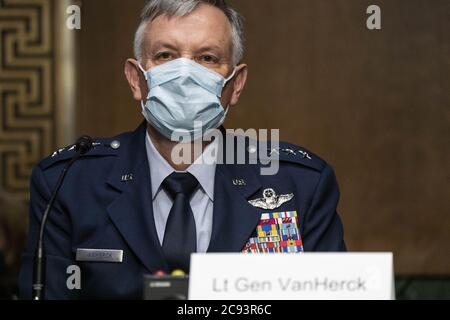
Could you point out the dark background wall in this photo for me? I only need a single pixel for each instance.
(375, 104)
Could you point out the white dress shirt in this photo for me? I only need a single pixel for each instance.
(204, 170)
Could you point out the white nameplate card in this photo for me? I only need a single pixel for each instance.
(305, 276)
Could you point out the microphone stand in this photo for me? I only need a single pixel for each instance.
(84, 144)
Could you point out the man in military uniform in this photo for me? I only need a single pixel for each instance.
(128, 208)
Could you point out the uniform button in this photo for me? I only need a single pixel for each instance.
(115, 144)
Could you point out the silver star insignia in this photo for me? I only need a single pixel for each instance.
(289, 152)
(271, 200)
(59, 151)
(305, 154)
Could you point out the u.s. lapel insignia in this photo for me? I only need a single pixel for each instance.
(127, 177)
(271, 200)
(239, 182)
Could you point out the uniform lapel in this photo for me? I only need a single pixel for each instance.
(234, 219)
(132, 210)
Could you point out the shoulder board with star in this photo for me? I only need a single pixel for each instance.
(288, 152)
(100, 147)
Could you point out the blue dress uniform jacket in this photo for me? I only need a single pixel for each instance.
(98, 208)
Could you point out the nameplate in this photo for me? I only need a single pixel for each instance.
(99, 255)
(306, 276)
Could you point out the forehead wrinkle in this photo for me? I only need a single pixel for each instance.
(177, 30)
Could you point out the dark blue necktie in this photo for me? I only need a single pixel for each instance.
(180, 237)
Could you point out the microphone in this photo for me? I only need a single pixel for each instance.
(82, 146)
(162, 286)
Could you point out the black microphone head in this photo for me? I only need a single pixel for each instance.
(84, 144)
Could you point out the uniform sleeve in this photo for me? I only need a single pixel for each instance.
(57, 243)
(323, 230)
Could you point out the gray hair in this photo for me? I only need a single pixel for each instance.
(181, 8)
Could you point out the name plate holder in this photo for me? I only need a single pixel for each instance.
(305, 276)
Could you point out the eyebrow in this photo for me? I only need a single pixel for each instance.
(162, 44)
(210, 48)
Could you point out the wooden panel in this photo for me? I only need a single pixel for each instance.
(374, 104)
(106, 41)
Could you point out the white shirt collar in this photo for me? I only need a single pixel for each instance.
(203, 168)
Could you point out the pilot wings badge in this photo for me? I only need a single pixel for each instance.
(271, 200)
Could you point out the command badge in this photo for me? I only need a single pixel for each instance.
(271, 200)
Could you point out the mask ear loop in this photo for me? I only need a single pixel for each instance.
(146, 79)
(229, 78)
(143, 71)
(224, 84)
(142, 101)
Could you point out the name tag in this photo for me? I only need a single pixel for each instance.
(99, 255)
(305, 276)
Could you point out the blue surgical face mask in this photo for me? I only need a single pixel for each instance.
(184, 98)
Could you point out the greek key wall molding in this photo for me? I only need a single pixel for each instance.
(27, 89)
